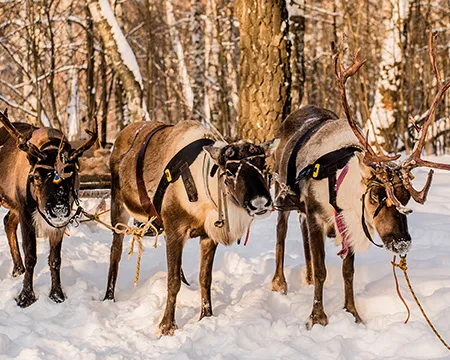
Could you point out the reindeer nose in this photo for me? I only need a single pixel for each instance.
(259, 206)
(399, 245)
(59, 211)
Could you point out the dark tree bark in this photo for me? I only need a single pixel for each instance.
(198, 83)
(264, 92)
(90, 68)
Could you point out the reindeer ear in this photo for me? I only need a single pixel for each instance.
(214, 150)
(366, 171)
(270, 146)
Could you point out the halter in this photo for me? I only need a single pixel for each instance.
(57, 179)
(223, 185)
(384, 202)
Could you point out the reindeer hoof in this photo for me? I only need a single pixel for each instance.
(109, 296)
(279, 284)
(353, 311)
(166, 329)
(318, 317)
(206, 312)
(57, 295)
(18, 270)
(25, 298)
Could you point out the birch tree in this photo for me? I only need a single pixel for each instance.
(383, 113)
(123, 58)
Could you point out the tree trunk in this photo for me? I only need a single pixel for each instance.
(198, 84)
(178, 49)
(123, 58)
(264, 91)
(298, 61)
(383, 113)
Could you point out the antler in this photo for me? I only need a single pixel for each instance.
(22, 141)
(342, 74)
(414, 159)
(61, 164)
(88, 144)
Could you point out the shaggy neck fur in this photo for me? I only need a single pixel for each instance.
(238, 218)
(349, 200)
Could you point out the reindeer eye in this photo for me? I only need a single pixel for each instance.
(229, 152)
(374, 197)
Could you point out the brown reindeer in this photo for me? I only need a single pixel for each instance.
(38, 184)
(343, 189)
(227, 176)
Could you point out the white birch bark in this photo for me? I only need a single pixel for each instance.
(72, 110)
(382, 113)
(211, 65)
(178, 49)
(123, 58)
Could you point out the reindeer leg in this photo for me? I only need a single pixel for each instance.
(279, 281)
(174, 250)
(348, 270)
(54, 261)
(11, 222)
(307, 250)
(207, 251)
(118, 215)
(27, 296)
(316, 237)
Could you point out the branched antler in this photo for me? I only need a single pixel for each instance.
(22, 141)
(414, 159)
(342, 73)
(88, 144)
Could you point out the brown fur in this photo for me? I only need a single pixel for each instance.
(15, 167)
(182, 219)
(316, 217)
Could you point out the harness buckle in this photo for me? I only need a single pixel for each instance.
(168, 175)
(316, 170)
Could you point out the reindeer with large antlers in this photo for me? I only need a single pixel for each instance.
(38, 184)
(343, 188)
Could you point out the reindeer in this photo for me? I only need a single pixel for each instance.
(343, 189)
(226, 190)
(38, 184)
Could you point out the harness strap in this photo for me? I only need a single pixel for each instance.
(178, 165)
(340, 223)
(364, 225)
(145, 200)
(291, 180)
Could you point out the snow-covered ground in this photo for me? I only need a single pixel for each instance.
(250, 321)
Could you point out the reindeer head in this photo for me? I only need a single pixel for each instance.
(388, 182)
(53, 177)
(243, 168)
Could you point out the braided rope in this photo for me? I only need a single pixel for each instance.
(138, 233)
(402, 265)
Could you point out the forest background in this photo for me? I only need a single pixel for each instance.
(238, 66)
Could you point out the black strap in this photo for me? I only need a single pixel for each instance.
(364, 225)
(292, 163)
(332, 192)
(145, 200)
(328, 164)
(174, 169)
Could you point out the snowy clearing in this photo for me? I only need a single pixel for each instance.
(250, 321)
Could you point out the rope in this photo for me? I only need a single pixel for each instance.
(397, 287)
(137, 231)
(402, 265)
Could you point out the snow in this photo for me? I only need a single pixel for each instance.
(250, 321)
(126, 53)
